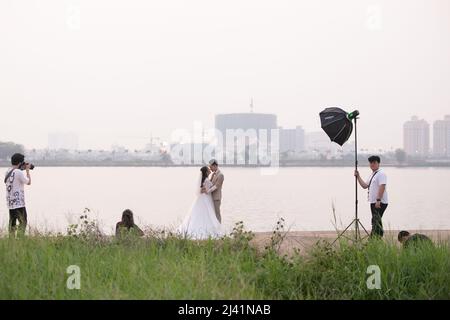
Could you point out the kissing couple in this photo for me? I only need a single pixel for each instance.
(204, 221)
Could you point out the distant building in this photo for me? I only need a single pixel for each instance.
(62, 141)
(292, 140)
(245, 121)
(441, 138)
(319, 142)
(416, 138)
(243, 132)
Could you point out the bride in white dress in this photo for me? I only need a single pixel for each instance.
(201, 222)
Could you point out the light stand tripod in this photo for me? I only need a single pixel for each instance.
(356, 222)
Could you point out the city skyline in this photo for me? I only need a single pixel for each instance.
(434, 141)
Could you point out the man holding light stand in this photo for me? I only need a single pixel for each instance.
(338, 125)
(377, 194)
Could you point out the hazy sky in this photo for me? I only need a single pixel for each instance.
(114, 71)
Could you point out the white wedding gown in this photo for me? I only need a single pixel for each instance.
(201, 223)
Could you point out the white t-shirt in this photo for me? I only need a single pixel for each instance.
(15, 194)
(379, 179)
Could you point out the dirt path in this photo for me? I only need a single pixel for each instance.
(304, 240)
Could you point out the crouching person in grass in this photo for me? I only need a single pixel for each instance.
(408, 240)
(15, 180)
(127, 227)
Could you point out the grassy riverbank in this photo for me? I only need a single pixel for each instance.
(168, 268)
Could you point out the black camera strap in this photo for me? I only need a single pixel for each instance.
(370, 183)
(9, 175)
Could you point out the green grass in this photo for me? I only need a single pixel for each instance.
(170, 268)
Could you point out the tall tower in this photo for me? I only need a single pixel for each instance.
(416, 137)
(441, 137)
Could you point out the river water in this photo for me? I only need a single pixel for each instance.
(304, 197)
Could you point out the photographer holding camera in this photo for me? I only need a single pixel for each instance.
(15, 180)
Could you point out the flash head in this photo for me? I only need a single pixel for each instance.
(353, 115)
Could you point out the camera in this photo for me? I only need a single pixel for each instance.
(24, 164)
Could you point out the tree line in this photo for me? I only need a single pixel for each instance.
(7, 149)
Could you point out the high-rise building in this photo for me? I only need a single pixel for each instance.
(441, 137)
(292, 140)
(249, 123)
(242, 133)
(63, 141)
(416, 138)
(245, 121)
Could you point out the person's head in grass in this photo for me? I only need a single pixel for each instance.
(374, 162)
(127, 219)
(127, 224)
(403, 236)
(414, 240)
